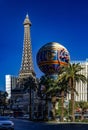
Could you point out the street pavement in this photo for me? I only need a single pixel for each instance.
(29, 125)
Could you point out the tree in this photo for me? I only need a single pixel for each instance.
(72, 75)
(83, 105)
(63, 89)
(49, 90)
(29, 84)
(3, 96)
(56, 88)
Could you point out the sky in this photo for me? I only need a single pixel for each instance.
(62, 21)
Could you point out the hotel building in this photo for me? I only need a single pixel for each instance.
(81, 88)
(11, 82)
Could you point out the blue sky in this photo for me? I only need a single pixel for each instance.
(63, 21)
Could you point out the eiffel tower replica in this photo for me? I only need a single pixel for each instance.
(26, 72)
(27, 63)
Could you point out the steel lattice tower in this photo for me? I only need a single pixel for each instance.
(27, 63)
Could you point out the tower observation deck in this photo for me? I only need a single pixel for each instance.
(27, 63)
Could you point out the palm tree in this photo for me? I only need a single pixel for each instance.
(54, 89)
(72, 75)
(49, 90)
(63, 89)
(29, 84)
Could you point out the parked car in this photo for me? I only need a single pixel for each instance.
(26, 116)
(6, 123)
(78, 115)
(85, 116)
(58, 118)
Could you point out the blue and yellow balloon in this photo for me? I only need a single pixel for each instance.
(51, 57)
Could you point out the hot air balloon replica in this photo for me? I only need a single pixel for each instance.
(51, 57)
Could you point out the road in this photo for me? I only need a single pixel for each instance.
(28, 125)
